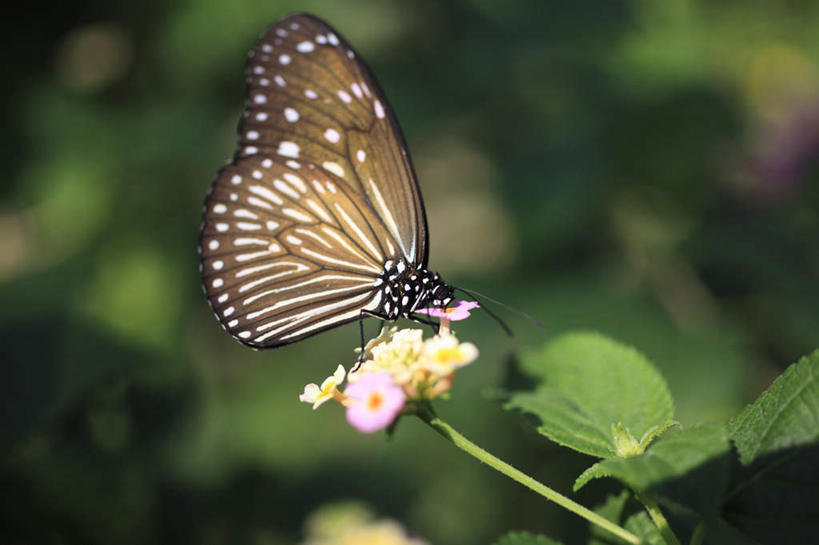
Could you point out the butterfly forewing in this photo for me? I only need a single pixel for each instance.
(310, 98)
(287, 251)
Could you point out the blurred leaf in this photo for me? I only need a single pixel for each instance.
(785, 415)
(132, 295)
(594, 392)
(624, 511)
(773, 493)
(690, 466)
(525, 538)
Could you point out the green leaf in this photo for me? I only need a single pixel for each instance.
(690, 466)
(626, 512)
(773, 493)
(525, 538)
(785, 415)
(594, 395)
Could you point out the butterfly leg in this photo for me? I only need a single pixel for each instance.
(361, 315)
(426, 321)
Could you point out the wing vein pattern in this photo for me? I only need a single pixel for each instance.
(318, 197)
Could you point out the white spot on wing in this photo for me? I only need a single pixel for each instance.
(289, 149)
(357, 90)
(265, 193)
(332, 135)
(305, 47)
(246, 226)
(295, 214)
(297, 182)
(286, 189)
(333, 167)
(291, 115)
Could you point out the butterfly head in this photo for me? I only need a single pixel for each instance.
(441, 294)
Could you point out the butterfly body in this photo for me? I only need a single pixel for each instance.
(406, 288)
(318, 220)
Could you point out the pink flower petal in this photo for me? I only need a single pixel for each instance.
(458, 311)
(376, 402)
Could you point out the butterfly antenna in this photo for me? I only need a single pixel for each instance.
(475, 294)
(497, 318)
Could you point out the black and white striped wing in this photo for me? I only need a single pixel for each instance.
(312, 99)
(289, 250)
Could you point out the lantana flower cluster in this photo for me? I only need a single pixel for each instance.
(399, 367)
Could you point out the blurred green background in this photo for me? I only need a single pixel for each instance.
(646, 169)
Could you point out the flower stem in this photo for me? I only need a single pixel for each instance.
(699, 534)
(426, 414)
(659, 519)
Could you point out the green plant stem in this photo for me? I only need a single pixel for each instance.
(659, 519)
(699, 534)
(426, 414)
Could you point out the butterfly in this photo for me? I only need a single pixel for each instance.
(318, 219)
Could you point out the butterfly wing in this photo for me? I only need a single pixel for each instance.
(312, 99)
(320, 194)
(288, 250)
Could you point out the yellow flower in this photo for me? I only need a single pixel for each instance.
(385, 532)
(318, 395)
(354, 524)
(423, 368)
(443, 354)
(397, 356)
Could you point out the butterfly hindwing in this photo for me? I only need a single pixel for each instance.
(288, 251)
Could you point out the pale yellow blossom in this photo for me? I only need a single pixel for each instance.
(424, 368)
(318, 395)
(443, 354)
(397, 356)
(354, 524)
